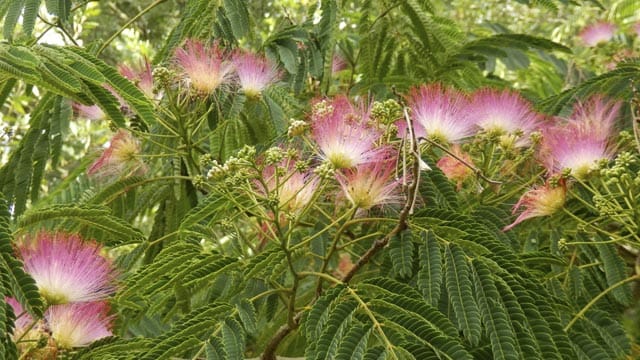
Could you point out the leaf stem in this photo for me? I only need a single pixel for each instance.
(126, 25)
(598, 297)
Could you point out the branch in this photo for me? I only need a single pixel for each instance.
(283, 331)
(403, 224)
(475, 170)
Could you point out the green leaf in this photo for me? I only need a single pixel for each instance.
(11, 18)
(29, 16)
(458, 283)
(615, 271)
(354, 343)
(401, 254)
(494, 315)
(337, 322)
(248, 316)
(22, 286)
(184, 334)
(238, 16)
(233, 338)
(314, 320)
(430, 273)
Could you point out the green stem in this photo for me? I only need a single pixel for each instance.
(126, 25)
(598, 297)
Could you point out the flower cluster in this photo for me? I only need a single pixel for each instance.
(75, 281)
(206, 68)
(573, 147)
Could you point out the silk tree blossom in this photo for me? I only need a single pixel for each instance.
(581, 153)
(142, 78)
(583, 142)
(597, 33)
(371, 184)
(79, 324)
(504, 112)
(206, 67)
(343, 134)
(23, 319)
(29, 336)
(596, 116)
(294, 189)
(255, 73)
(440, 113)
(88, 112)
(541, 201)
(66, 268)
(453, 168)
(120, 158)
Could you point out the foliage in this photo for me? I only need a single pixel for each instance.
(235, 233)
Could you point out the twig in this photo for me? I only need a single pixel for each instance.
(126, 25)
(283, 331)
(475, 170)
(412, 191)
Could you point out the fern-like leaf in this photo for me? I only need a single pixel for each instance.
(458, 283)
(233, 338)
(354, 343)
(192, 326)
(401, 254)
(430, 273)
(615, 271)
(22, 286)
(494, 315)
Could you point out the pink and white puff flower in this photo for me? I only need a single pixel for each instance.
(120, 158)
(255, 73)
(540, 201)
(342, 133)
(583, 142)
(440, 113)
(67, 269)
(143, 78)
(23, 319)
(596, 117)
(294, 189)
(206, 67)
(596, 33)
(580, 153)
(371, 184)
(504, 112)
(79, 324)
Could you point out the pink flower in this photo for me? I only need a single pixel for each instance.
(440, 113)
(23, 319)
(66, 268)
(294, 189)
(88, 112)
(636, 28)
(79, 324)
(121, 158)
(343, 134)
(255, 73)
(206, 67)
(596, 116)
(371, 184)
(541, 201)
(504, 112)
(142, 78)
(338, 64)
(596, 33)
(584, 141)
(453, 168)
